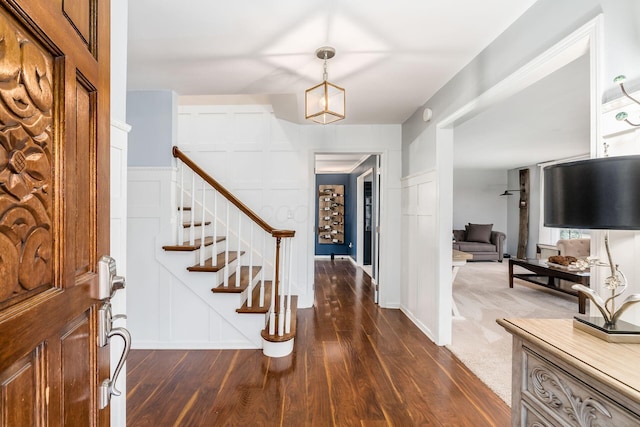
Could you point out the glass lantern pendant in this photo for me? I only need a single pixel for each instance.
(325, 102)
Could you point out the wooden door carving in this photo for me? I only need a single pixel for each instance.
(54, 209)
(26, 108)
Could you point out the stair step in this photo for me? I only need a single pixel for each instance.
(244, 281)
(291, 334)
(195, 224)
(209, 267)
(186, 247)
(255, 300)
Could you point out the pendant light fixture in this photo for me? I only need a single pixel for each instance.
(325, 103)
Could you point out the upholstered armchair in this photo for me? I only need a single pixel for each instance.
(579, 248)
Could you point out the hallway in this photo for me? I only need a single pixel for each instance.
(354, 364)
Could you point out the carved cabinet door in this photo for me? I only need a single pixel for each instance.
(54, 209)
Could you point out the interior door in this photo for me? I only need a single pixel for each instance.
(54, 209)
(368, 221)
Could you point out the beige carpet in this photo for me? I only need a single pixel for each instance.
(482, 294)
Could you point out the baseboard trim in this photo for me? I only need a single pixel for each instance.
(157, 345)
(425, 330)
(336, 257)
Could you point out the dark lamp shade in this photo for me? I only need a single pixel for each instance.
(599, 193)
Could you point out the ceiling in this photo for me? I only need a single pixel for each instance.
(548, 120)
(338, 163)
(391, 58)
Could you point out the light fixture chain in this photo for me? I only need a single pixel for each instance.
(325, 76)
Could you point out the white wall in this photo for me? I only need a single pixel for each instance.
(118, 183)
(419, 217)
(476, 198)
(269, 165)
(542, 27)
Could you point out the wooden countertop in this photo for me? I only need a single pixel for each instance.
(612, 363)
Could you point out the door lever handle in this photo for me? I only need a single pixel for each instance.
(105, 323)
(117, 283)
(108, 386)
(117, 317)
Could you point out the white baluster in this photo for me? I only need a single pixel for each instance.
(287, 324)
(238, 267)
(226, 250)
(192, 230)
(214, 251)
(202, 226)
(181, 195)
(272, 308)
(264, 267)
(250, 287)
(282, 290)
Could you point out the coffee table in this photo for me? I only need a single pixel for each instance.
(543, 274)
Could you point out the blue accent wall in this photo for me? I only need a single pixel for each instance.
(351, 202)
(152, 116)
(350, 182)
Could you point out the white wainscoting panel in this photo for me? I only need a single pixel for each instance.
(419, 231)
(168, 306)
(247, 170)
(249, 150)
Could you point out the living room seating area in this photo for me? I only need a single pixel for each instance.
(480, 240)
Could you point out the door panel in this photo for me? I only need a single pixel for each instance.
(83, 226)
(54, 209)
(78, 13)
(21, 403)
(75, 345)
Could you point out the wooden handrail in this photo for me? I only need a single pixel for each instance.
(237, 203)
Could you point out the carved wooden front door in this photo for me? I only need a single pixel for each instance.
(54, 209)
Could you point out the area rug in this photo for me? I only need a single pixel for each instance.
(482, 294)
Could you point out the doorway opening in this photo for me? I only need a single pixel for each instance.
(583, 41)
(359, 174)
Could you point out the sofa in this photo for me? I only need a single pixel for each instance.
(481, 241)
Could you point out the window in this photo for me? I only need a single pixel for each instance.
(572, 233)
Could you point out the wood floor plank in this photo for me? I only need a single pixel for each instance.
(343, 407)
(354, 364)
(318, 399)
(363, 386)
(200, 412)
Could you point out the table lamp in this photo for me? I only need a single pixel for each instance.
(600, 194)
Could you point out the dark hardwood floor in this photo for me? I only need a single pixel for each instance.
(354, 364)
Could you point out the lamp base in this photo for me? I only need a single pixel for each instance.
(621, 332)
